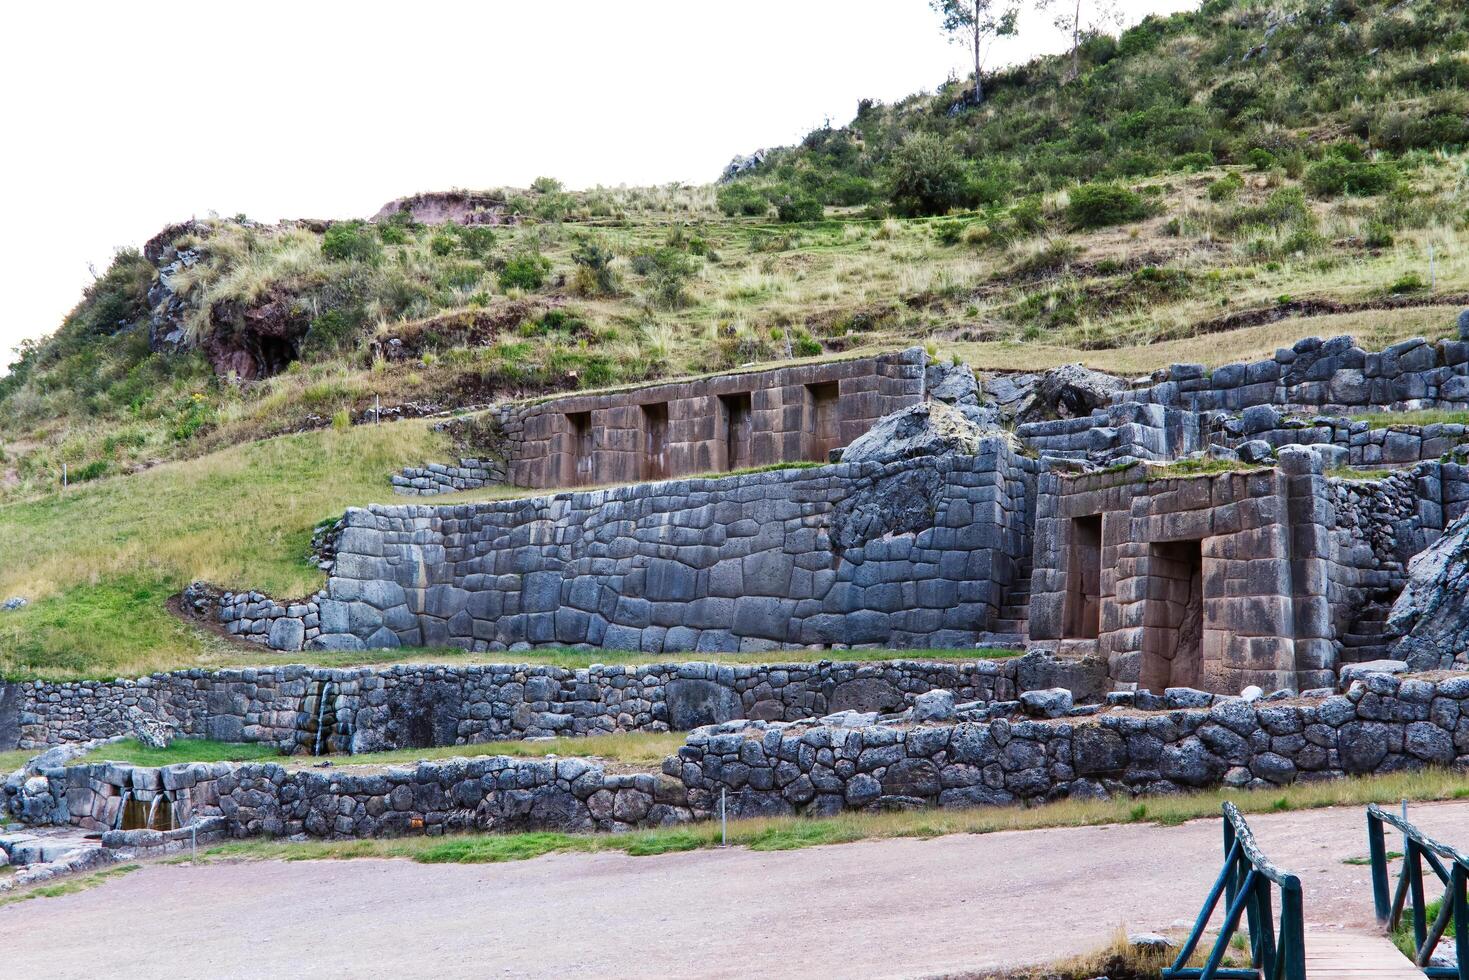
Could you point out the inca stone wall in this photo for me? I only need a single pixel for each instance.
(435, 478)
(494, 793)
(1382, 724)
(728, 422)
(368, 709)
(1148, 744)
(905, 554)
(1330, 375)
(1217, 581)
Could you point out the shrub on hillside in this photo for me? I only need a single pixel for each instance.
(1260, 159)
(845, 190)
(594, 273)
(1334, 176)
(351, 241)
(1226, 188)
(926, 178)
(1102, 205)
(741, 198)
(526, 271)
(668, 271)
(798, 208)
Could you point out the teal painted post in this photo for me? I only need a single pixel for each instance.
(1293, 935)
(1415, 891)
(1377, 850)
(1264, 939)
(1230, 883)
(1459, 882)
(1231, 925)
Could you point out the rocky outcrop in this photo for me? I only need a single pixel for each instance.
(442, 207)
(1432, 613)
(1068, 392)
(927, 429)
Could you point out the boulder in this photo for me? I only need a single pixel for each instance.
(693, 703)
(926, 429)
(13, 603)
(933, 706)
(1054, 702)
(952, 384)
(1432, 614)
(1068, 392)
(1256, 451)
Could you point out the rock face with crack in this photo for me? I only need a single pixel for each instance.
(930, 428)
(1068, 392)
(1432, 613)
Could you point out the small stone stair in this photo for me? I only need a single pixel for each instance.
(1366, 639)
(1013, 620)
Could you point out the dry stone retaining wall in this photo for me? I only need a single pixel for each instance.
(1334, 375)
(369, 709)
(912, 553)
(1382, 724)
(1184, 740)
(435, 478)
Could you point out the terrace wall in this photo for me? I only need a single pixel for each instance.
(1328, 375)
(732, 421)
(1383, 724)
(370, 709)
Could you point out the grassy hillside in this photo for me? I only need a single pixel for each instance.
(1253, 161)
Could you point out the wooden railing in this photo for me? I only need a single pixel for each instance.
(1452, 869)
(1247, 884)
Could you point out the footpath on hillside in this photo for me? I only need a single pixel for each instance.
(891, 908)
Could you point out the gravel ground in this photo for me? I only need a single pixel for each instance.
(894, 908)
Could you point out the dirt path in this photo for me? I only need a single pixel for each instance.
(897, 908)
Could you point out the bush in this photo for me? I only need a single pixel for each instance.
(798, 208)
(1260, 159)
(1410, 283)
(1193, 161)
(527, 271)
(594, 273)
(1226, 188)
(1377, 235)
(926, 177)
(1334, 176)
(667, 270)
(392, 234)
(849, 191)
(741, 198)
(351, 241)
(1102, 205)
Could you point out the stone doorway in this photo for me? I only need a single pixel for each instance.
(1173, 635)
(822, 432)
(655, 441)
(576, 467)
(1083, 609)
(738, 428)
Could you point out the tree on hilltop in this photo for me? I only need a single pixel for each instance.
(972, 22)
(1083, 18)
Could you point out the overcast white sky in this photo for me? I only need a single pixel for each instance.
(120, 118)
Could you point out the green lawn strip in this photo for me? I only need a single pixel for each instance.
(225, 657)
(1425, 416)
(636, 748)
(13, 759)
(68, 887)
(135, 753)
(789, 833)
